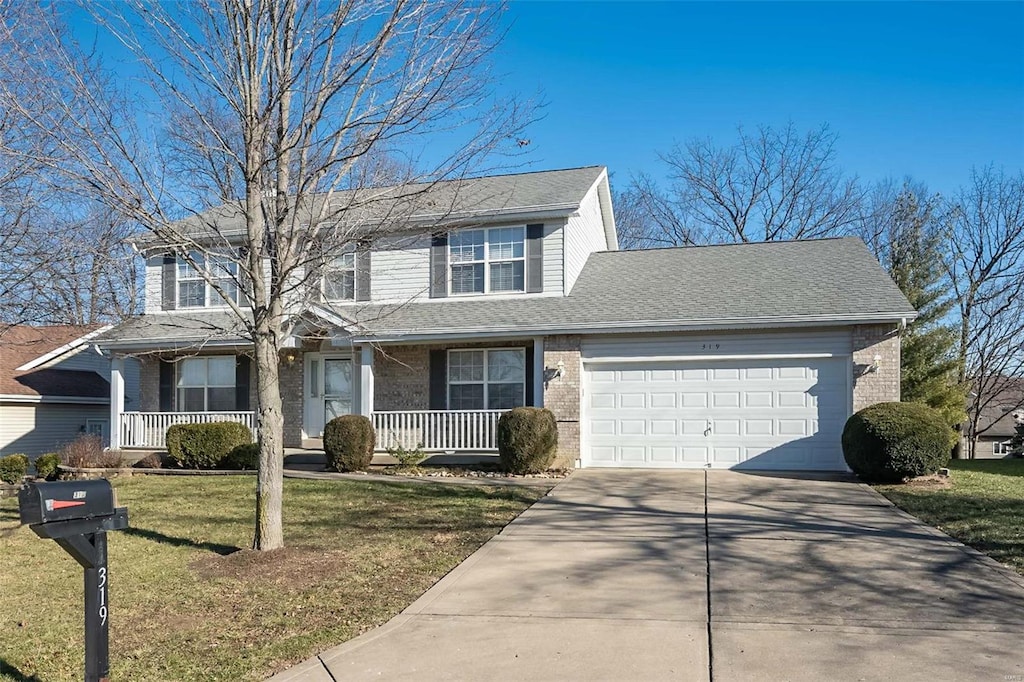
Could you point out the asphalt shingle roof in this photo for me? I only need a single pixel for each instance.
(441, 202)
(782, 282)
(20, 344)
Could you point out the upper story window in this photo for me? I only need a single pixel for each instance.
(340, 278)
(487, 261)
(197, 291)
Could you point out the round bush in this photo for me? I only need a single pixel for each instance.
(348, 442)
(889, 442)
(13, 468)
(244, 457)
(46, 466)
(204, 446)
(527, 440)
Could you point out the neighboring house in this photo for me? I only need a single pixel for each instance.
(749, 355)
(999, 418)
(53, 387)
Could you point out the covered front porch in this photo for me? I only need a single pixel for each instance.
(440, 398)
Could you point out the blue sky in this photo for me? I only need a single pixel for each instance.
(921, 89)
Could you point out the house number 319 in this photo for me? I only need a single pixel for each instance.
(103, 595)
(710, 346)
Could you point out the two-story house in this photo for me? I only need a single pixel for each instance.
(749, 355)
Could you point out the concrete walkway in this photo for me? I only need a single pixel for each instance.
(642, 575)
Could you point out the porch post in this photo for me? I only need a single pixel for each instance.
(116, 400)
(538, 371)
(366, 380)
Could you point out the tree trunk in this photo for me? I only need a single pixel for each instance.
(269, 479)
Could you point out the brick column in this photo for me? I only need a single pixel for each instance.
(879, 385)
(562, 394)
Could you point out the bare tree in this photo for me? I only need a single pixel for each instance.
(770, 185)
(279, 116)
(986, 269)
(63, 258)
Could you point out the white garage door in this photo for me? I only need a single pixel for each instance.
(752, 414)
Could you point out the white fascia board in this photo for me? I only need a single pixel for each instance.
(638, 327)
(63, 350)
(52, 399)
(604, 196)
(158, 345)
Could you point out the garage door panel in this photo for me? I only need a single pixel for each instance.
(763, 414)
(663, 400)
(725, 399)
(695, 399)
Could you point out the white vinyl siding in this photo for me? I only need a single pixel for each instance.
(154, 283)
(554, 265)
(584, 234)
(401, 274)
(36, 429)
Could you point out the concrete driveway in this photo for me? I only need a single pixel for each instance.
(648, 575)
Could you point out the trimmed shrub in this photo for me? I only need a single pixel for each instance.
(348, 442)
(46, 466)
(205, 446)
(527, 440)
(889, 442)
(245, 457)
(13, 468)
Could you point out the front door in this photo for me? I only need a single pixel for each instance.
(329, 390)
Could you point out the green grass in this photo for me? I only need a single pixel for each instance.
(984, 507)
(185, 604)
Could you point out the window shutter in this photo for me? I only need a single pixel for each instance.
(315, 269)
(535, 258)
(363, 274)
(439, 379)
(439, 266)
(530, 379)
(166, 386)
(242, 365)
(169, 282)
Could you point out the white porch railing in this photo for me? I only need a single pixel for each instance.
(149, 429)
(438, 430)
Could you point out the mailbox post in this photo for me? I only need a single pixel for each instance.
(77, 515)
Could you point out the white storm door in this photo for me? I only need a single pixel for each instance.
(328, 390)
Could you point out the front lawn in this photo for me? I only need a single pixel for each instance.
(984, 507)
(186, 605)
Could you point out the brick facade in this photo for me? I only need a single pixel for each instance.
(562, 395)
(292, 397)
(149, 384)
(883, 384)
(401, 374)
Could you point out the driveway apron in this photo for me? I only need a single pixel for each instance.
(667, 575)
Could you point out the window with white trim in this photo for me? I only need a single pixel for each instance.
(492, 379)
(206, 384)
(1002, 449)
(197, 291)
(487, 261)
(340, 278)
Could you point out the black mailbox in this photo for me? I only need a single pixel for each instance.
(78, 514)
(65, 500)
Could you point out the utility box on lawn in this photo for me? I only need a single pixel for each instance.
(77, 515)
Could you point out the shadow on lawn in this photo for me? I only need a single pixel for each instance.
(157, 536)
(15, 673)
